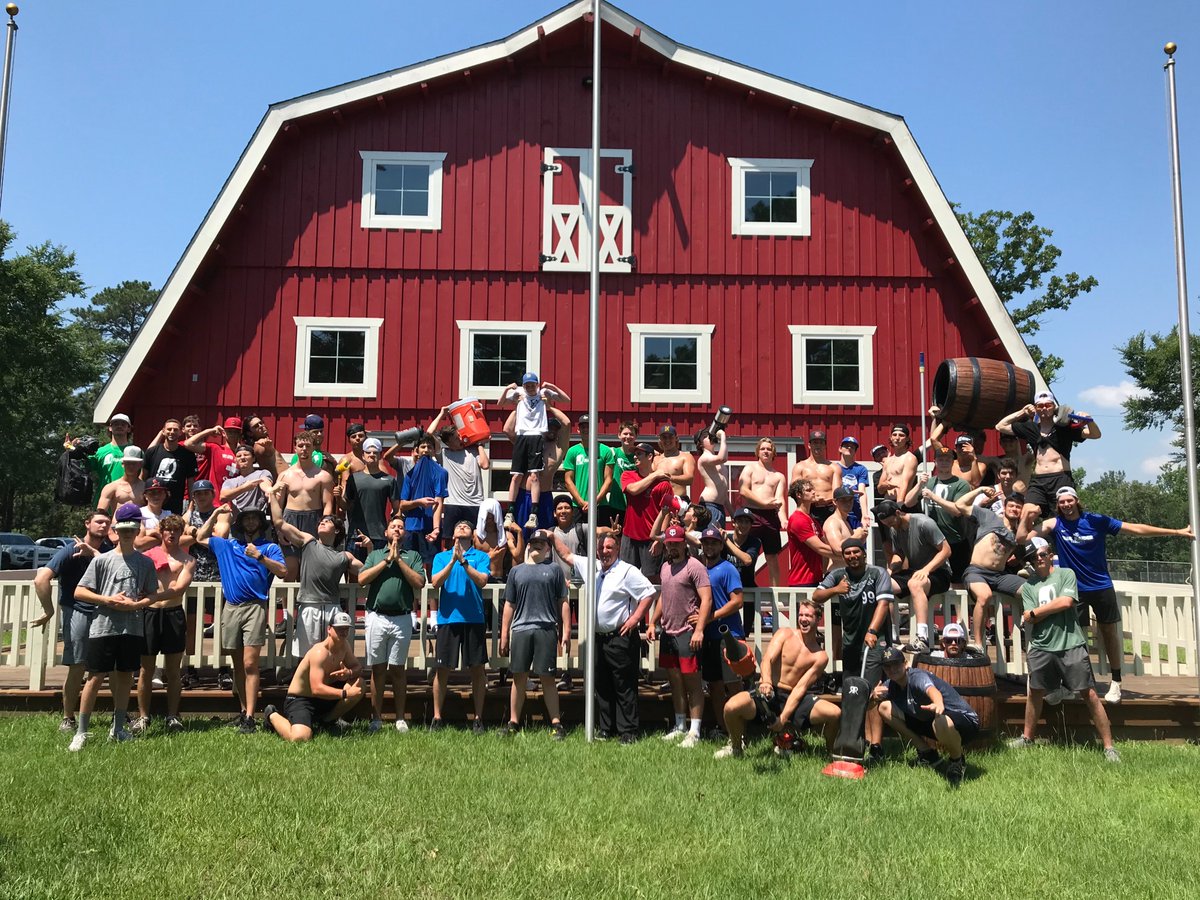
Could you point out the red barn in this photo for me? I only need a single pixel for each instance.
(386, 246)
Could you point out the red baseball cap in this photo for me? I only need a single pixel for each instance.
(233, 422)
(674, 535)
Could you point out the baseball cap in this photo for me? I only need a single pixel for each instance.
(885, 508)
(644, 448)
(155, 485)
(355, 428)
(941, 451)
(849, 543)
(953, 630)
(119, 417)
(1045, 397)
(964, 439)
(313, 422)
(1066, 491)
(583, 420)
(540, 535)
(879, 448)
(742, 512)
(891, 656)
(900, 426)
(234, 422)
(817, 435)
(1030, 550)
(843, 492)
(133, 454)
(372, 445)
(668, 429)
(128, 517)
(341, 619)
(202, 484)
(850, 439)
(530, 378)
(712, 533)
(674, 535)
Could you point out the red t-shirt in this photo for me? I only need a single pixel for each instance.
(806, 564)
(643, 508)
(214, 463)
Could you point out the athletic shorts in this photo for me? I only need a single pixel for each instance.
(243, 625)
(960, 559)
(638, 555)
(939, 583)
(766, 529)
(1103, 603)
(312, 625)
(307, 711)
(114, 653)
(1001, 582)
(822, 514)
(675, 652)
(535, 650)
(165, 631)
(306, 520)
(427, 548)
(778, 700)
(529, 454)
(1049, 669)
(967, 728)
(852, 662)
(461, 644)
(1042, 488)
(75, 626)
(713, 666)
(388, 639)
(717, 511)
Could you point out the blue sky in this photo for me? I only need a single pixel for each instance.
(126, 119)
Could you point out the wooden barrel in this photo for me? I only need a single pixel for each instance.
(980, 392)
(971, 676)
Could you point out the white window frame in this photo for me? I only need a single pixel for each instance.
(369, 386)
(864, 396)
(432, 221)
(802, 227)
(468, 328)
(639, 393)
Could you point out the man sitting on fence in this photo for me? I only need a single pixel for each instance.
(328, 683)
(918, 557)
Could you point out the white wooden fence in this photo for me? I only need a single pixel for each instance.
(1157, 621)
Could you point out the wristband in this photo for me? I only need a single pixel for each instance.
(873, 631)
(343, 692)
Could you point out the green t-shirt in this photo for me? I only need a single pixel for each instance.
(106, 463)
(576, 461)
(390, 594)
(621, 464)
(1060, 631)
(950, 524)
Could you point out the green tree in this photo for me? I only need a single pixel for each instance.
(115, 315)
(1152, 361)
(46, 359)
(1161, 502)
(1020, 261)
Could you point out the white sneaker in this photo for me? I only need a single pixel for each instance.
(119, 735)
(77, 742)
(674, 734)
(690, 740)
(67, 725)
(402, 726)
(532, 521)
(727, 752)
(375, 725)
(1114, 693)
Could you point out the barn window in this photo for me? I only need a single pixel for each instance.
(337, 357)
(670, 363)
(771, 196)
(402, 190)
(833, 365)
(492, 355)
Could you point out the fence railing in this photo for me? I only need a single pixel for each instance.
(1157, 571)
(1157, 622)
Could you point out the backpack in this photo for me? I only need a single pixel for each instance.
(75, 485)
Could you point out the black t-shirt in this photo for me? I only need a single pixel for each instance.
(68, 569)
(1061, 437)
(174, 468)
(753, 547)
(367, 496)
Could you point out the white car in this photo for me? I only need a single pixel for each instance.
(18, 551)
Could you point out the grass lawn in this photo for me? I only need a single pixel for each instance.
(210, 813)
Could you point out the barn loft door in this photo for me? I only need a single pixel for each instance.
(566, 222)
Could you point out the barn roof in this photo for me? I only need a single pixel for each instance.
(278, 114)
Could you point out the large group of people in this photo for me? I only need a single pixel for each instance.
(677, 538)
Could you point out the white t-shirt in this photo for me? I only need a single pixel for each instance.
(531, 410)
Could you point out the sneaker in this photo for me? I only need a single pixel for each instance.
(267, 726)
(67, 725)
(674, 734)
(628, 740)
(139, 725)
(1114, 693)
(157, 681)
(236, 721)
(119, 735)
(77, 742)
(690, 740)
(477, 727)
(956, 771)
(510, 729)
(248, 726)
(208, 631)
(174, 724)
(727, 752)
(976, 650)
(338, 726)
(928, 759)
(1020, 743)
(917, 645)
(1058, 695)
(874, 754)
(1111, 755)
(402, 726)
(532, 521)
(599, 736)
(437, 725)
(375, 725)
(564, 683)
(188, 680)
(225, 681)
(558, 731)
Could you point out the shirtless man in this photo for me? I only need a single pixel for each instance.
(967, 464)
(678, 465)
(788, 691)
(825, 475)
(356, 434)
(328, 683)
(1037, 425)
(306, 494)
(899, 469)
(1012, 447)
(837, 527)
(129, 488)
(165, 624)
(713, 457)
(265, 452)
(762, 488)
(1006, 480)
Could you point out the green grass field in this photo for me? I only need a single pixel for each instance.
(210, 813)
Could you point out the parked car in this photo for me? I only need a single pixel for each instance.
(55, 543)
(18, 551)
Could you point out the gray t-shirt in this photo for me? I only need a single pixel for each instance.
(367, 496)
(919, 543)
(575, 539)
(252, 499)
(321, 572)
(464, 478)
(990, 523)
(535, 590)
(111, 573)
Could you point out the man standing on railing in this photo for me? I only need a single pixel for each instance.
(460, 574)
(248, 566)
(1079, 538)
(68, 565)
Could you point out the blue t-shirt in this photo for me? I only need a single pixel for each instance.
(68, 569)
(915, 696)
(425, 479)
(461, 599)
(855, 477)
(1080, 546)
(724, 579)
(244, 580)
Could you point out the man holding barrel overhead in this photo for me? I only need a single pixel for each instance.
(464, 465)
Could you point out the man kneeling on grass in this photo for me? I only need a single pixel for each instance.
(327, 684)
(788, 691)
(926, 710)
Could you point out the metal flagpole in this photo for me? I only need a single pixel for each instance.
(1185, 340)
(6, 86)
(924, 432)
(589, 647)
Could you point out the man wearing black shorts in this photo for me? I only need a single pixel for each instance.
(918, 558)
(927, 711)
(327, 684)
(536, 627)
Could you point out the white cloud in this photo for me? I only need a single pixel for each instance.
(1153, 465)
(1109, 396)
